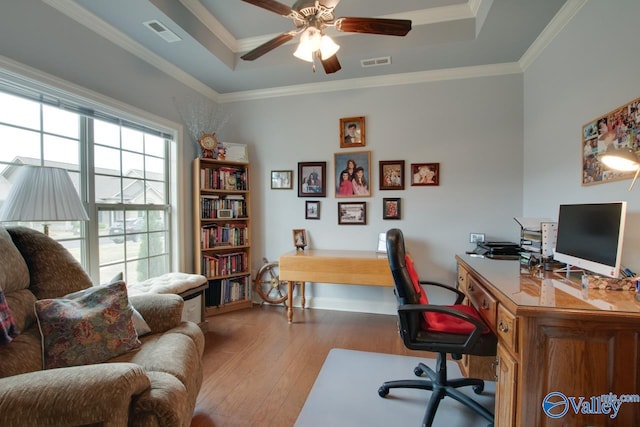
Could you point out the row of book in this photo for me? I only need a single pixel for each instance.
(224, 264)
(215, 235)
(225, 291)
(211, 205)
(223, 178)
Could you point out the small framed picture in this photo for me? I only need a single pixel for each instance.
(312, 209)
(425, 174)
(391, 208)
(299, 238)
(352, 213)
(392, 175)
(352, 132)
(312, 179)
(281, 180)
(225, 213)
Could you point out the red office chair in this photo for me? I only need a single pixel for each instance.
(454, 329)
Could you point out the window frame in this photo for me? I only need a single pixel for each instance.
(24, 81)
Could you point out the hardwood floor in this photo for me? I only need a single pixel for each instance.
(258, 370)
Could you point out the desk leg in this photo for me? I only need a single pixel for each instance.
(304, 300)
(290, 298)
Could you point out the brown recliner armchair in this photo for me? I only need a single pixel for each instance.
(155, 384)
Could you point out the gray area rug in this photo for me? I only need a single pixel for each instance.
(345, 394)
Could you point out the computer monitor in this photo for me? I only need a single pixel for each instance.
(590, 236)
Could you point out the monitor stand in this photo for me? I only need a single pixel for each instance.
(569, 269)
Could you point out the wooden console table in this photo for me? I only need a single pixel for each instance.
(333, 266)
(555, 337)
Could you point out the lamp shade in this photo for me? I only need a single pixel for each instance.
(622, 159)
(43, 194)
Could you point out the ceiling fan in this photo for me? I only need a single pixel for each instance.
(311, 17)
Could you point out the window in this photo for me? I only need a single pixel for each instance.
(121, 171)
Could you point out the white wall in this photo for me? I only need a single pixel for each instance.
(589, 69)
(472, 127)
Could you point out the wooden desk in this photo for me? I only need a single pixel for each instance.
(333, 266)
(553, 337)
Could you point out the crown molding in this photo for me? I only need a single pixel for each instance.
(373, 82)
(198, 10)
(102, 28)
(555, 26)
(463, 11)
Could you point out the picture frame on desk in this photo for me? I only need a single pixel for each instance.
(299, 238)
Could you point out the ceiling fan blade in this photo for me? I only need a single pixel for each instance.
(268, 46)
(387, 27)
(272, 6)
(331, 64)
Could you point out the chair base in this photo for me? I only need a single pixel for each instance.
(441, 387)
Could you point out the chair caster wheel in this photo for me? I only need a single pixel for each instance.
(383, 391)
(418, 371)
(477, 389)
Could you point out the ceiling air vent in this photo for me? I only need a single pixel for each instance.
(162, 31)
(373, 62)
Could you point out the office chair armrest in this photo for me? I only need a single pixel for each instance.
(459, 294)
(479, 326)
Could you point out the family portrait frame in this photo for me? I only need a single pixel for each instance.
(282, 180)
(352, 174)
(312, 209)
(352, 132)
(352, 213)
(391, 174)
(423, 174)
(391, 208)
(312, 179)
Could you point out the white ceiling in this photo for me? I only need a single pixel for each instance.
(446, 34)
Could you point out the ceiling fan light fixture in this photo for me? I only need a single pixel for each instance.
(328, 47)
(310, 42)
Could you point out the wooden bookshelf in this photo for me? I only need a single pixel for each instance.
(222, 233)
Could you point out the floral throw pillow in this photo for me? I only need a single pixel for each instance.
(86, 327)
(8, 330)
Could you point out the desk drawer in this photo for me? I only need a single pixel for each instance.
(507, 330)
(462, 278)
(482, 300)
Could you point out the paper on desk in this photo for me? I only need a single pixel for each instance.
(533, 224)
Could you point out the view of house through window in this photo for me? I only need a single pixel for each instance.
(120, 171)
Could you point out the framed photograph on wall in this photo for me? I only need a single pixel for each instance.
(352, 132)
(354, 213)
(352, 174)
(392, 175)
(425, 174)
(391, 208)
(312, 179)
(312, 209)
(281, 180)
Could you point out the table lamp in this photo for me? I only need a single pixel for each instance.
(622, 159)
(43, 194)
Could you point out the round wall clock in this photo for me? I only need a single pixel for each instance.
(208, 142)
